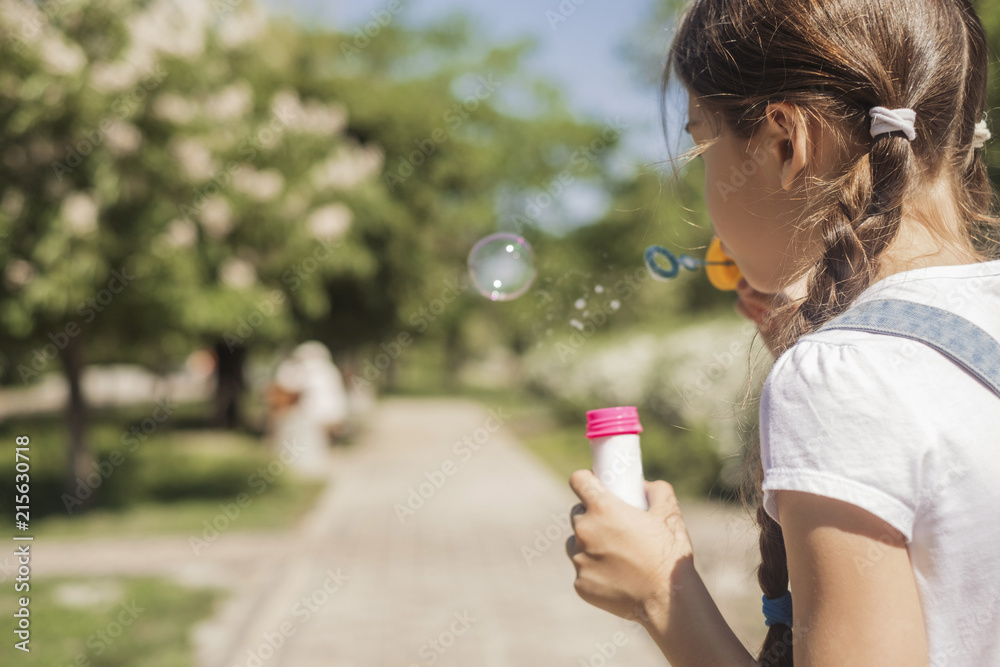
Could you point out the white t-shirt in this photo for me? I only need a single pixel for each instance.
(893, 426)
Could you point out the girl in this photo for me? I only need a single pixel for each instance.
(856, 128)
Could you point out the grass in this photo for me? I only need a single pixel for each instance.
(168, 483)
(277, 509)
(133, 622)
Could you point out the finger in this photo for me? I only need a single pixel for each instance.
(755, 301)
(743, 288)
(661, 497)
(587, 487)
(746, 292)
(752, 314)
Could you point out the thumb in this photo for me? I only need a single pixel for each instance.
(660, 495)
(588, 488)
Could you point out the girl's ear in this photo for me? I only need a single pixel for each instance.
(788, 140)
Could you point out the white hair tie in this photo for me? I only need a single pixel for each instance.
(892, 120)
(981, 135)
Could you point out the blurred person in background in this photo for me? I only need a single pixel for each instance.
(308, 406)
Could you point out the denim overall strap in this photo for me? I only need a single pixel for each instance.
(963, 341)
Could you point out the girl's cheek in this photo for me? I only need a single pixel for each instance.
(719, 200)
(711, 177)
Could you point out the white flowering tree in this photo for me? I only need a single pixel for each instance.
(79, 207)
(162, 185)
(264, 185)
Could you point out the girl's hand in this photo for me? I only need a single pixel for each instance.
(757, 306)
(626, 558)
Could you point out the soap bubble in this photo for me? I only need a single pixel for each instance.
(502, 266)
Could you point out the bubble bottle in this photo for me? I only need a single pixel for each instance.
(616, 458)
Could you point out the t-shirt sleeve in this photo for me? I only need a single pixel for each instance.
(834, 423)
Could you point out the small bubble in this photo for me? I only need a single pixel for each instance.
(580, 304)
(576, 324)
(614, 305)
(599, 289)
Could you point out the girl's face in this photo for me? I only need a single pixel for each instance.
(752, 209)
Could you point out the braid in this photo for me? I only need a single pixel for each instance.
(862, 219)
(772, 575)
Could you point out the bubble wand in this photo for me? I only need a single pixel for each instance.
(720, 268)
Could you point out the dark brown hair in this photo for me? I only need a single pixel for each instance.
(834, 60)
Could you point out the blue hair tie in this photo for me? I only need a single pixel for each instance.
(778, 610)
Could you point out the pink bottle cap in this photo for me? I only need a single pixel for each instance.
(613, 421)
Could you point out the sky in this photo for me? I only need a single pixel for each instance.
(579, 50)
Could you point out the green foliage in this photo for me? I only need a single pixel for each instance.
(172, 465)
(160, 618)
(687, 458)
(456, 168)
(989, 12)
(260, 189)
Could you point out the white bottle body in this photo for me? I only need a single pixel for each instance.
(617, 462)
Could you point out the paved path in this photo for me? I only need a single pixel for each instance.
(355, 586)
(450, 585)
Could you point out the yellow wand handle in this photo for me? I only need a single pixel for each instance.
(720, 267)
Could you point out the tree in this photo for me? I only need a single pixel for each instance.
(458, 165)
(74, 184)
(182, 175)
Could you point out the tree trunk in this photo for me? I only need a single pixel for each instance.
(454, 355)
(80, 460)
(229, 386)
